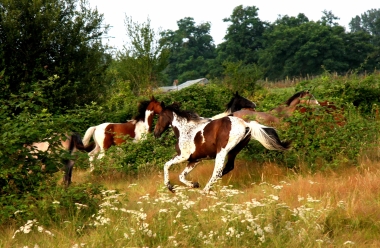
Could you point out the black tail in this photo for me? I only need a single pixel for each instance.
(271, 132)
(76, 142)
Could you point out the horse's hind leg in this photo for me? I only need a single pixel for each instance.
(68, 170)
(92, 156)
(182, 177)
(232, 155)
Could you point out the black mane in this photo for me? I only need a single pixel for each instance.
(189, 115)
(295, 96)
(141, 111)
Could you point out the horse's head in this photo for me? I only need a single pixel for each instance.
(165, 119)
(238, 102)
(307, 98)
(303, 97)
(154, 106)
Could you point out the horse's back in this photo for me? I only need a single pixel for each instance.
(118, 131)
(261, 117)
(41, 146)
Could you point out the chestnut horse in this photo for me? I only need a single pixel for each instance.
(329, 108)
(108, 134)
(275, 116)
(201, 138)
(236, 103)
(70, 143)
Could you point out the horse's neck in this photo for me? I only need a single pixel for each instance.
(294, 103)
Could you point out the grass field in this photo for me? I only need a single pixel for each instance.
(253, 206)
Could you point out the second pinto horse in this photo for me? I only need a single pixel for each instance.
(108, 134)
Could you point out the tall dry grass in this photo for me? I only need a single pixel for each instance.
(253, 206)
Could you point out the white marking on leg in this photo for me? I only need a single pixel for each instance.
(187, 170)
(218, 169)
(175, 160)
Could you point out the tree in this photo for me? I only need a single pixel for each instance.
(329, 18)
(191, 50)
(298, 50)
(143, 58)
(368, 23)
(359, 50)
(52, 37)
(244, 36)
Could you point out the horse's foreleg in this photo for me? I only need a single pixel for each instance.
(182, 177)
(218, 169)
(175, 160)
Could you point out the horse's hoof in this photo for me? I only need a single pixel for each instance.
(195, 185)
(171, 188)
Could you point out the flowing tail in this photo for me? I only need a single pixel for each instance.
(76, 142)
(87, 136)
(267, 136)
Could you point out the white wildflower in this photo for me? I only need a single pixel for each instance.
(348, 242)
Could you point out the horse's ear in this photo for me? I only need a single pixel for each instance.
(152, 98)
(237, 93)
(162, 104)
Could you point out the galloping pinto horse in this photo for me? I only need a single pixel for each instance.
(236, 103)
(201, 138)
(108, 134)
(70, 143)
(276, 115)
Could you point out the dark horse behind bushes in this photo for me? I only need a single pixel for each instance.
(69, 143)
(202, 138)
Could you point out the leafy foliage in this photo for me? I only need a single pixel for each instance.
(191, 50)
(244, 36)
(298, 50)
(241, 77)
(142, 62)
(207, 100)
(45, 38)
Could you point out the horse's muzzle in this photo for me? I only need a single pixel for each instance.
(157, 134)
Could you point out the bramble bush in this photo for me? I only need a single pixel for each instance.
(24, 186)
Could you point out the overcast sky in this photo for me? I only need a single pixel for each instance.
(164, 14)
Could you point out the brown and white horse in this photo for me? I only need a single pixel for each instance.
(328, 108)
(70, 143)
(201, 138)
(108, 134)
(276, 115)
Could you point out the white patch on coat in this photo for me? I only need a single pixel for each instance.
(140, 130)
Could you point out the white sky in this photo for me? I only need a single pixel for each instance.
(164, 14)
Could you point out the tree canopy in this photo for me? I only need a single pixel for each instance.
(39, 39)
(191, 49)
(143, 59)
